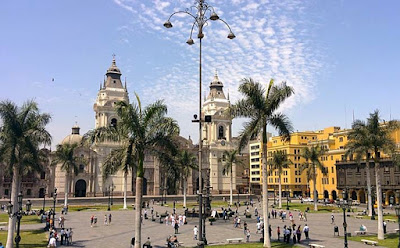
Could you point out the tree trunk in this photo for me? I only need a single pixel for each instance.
(125, 188)
(280, 192)
(138, 212)
(66, 190)
(267, 241)
(370, 203)
(231, 189)
(14, 201)
(184, 193)
(315, 189)
(379, 199)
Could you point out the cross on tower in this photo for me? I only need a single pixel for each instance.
(113, 55)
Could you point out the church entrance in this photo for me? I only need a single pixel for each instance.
(80, 188)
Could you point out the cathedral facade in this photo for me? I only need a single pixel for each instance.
(217, 137)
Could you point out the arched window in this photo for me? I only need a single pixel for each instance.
(81, 168)
(221, 132)
(113, 122)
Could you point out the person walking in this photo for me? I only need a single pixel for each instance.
(278, 233)
(195, 232)
(176, 226)
(52, 242)
(91, 220)
(298, 233)
(244, 227)
(306, 230)
(248, 235)
(270, 231)
(105, 220)
(332, 219)
(109, 219)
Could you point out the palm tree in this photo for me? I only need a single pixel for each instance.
(230, 158)
(312, 165)
(279, 161)
(140, 131)
(21, 134)
(187, 162)
(67, 157)
(115, 162)
(381, 142)
(360, 145)
(260, 107)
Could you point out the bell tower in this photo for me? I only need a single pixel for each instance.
(218, 135)
(111, 92)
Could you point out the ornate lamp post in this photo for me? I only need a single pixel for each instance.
(44, 199)
(287, 198)
(17, 215)
(54, 205)
(112, 193)
(202, 13)
(109, 198)
(345, 204)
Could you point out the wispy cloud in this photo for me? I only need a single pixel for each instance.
(273, 41)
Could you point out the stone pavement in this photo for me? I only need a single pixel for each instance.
(120, 232)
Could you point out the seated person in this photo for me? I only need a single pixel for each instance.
(147, 244)
(363, 228)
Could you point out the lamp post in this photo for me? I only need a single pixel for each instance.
(345, 204)
(112, 193)
(28, 206)
(54, 205)
(287, 198)
(44, 199)
(373, 202)
(201, 10)
(17, 215)
(109, 198)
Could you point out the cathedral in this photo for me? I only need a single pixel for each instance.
(217, 137)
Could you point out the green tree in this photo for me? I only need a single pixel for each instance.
(381, 140)
(278, 162)
(70, 161)
(312, 165)
(187, 162)
(360, 145)
(260, 107)
(23, 130)
(230, 159)
(140, 131)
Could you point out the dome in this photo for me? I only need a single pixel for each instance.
(113, 68)
(74, 137)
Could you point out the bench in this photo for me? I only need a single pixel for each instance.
(369, 242)
(390, 220)
(360, 232)
(359, 216)
(2, 228)
(396, 230)
(316, 246)
(239, 240)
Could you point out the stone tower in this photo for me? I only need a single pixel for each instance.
(218, 136)
(111, 92)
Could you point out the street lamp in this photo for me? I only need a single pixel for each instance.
(28, 206)
(18, 215)
(112, 193)
(44, 199)
(345, 204)
(373, 202)
(54, 205)
(201, 9)
(109, 198)
(287, 198)
(398, 220)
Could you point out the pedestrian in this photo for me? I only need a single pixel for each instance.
(176, 227)
(62, 234)
(70, 236)
(91, 220)
(67, 237)
(294, 237)
(248, 235)
(384, 227)
(298, 233)
(1, 244)
(109, 219)
(52, 242)
(244, 227)
(270, 231)
(332, 219)
(278, 233)
(195, 231)
(147, 244)
(133, 242)
(306, 230)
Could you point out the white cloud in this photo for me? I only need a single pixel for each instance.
(274, 39)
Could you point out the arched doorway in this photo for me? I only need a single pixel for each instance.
(354, 195)
(41, 193)
(334, 195)
(80, 188)
(144, 186)
(361, 195)
(326, 194)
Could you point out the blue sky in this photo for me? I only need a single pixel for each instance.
(340, 56)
